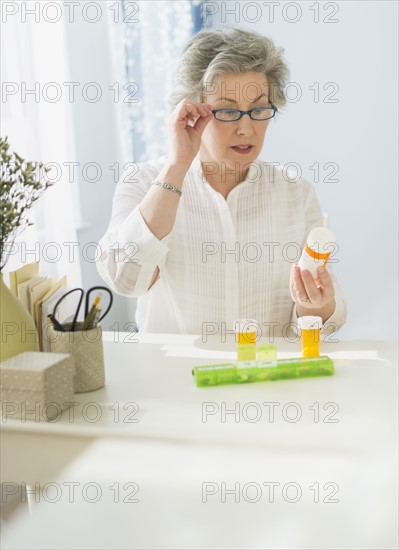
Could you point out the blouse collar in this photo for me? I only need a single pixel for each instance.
(253, 175)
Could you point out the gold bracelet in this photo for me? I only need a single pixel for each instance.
(168, 186)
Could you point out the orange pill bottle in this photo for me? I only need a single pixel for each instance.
(310, 326)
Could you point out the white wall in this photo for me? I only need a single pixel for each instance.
(359, 133)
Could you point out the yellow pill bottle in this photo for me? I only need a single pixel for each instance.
(246, 331)
(310, 326)
(246, 336)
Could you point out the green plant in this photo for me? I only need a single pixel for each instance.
(20, 187)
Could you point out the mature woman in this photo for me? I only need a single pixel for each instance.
(209, 233)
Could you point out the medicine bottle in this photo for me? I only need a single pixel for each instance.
(310, 326)
(317, 250)
(246, 336)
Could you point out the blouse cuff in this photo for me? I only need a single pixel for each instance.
(140, 243)
(143, 249)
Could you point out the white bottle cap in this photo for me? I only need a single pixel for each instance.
(310, 322)
(246, 325)
(319, 237)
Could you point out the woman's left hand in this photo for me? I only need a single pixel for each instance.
(312, 296)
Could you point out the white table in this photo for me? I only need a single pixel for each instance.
(173, 449)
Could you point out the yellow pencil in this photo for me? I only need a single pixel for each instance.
(87, 322)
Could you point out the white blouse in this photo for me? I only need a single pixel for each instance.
(223, 260)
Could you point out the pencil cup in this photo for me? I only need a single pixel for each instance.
(87, 348)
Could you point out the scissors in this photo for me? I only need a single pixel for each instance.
(92, 289)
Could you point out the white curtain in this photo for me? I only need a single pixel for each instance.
(40, 128)
(147, 43)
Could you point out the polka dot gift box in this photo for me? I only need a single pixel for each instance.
(36, 386)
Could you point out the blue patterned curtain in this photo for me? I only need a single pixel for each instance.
(152, 45)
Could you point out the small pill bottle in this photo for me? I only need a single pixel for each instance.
(310, 326)
(266, 355)
(317, 250)
(246, 336)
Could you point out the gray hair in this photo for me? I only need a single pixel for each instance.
(214, 52)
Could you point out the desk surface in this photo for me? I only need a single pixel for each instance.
(151, 495)
(151, 430)
(150, 393)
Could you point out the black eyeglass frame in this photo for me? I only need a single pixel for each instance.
(272, 108)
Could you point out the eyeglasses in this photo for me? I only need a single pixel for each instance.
(231, 115)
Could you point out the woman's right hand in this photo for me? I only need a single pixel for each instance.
(186, 125)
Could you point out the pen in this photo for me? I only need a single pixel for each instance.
(97, 315)
(55, 323)
(90, 316)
